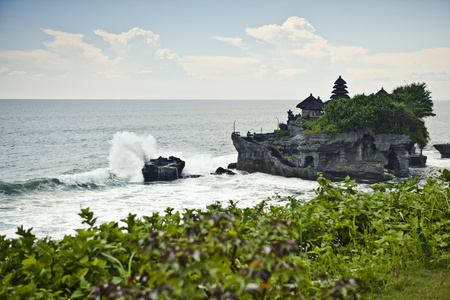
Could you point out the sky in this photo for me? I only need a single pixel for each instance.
(206, 49)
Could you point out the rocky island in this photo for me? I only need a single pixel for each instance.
(369, 153)
(358, 154)
(444, 150)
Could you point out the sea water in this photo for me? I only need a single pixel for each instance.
(58, 156)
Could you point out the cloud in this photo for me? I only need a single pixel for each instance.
(3, 70)
(120, 42)
(15, 73)
(237, 42)
(162, 54)
(295, 32)
(138, 49)
(290, 72)
(297, 36)
(125, 37)
(145, 72)
(70, 44)
(412, 65)
(39, 58)
(220, 67)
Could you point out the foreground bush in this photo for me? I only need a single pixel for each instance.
(334, 246)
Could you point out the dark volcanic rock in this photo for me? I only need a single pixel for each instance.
(358, 154)
(163, 169)
(232, 166)
(417, 161)
(221, 171)
(444, 149)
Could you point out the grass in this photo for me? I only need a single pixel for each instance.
(416, 283)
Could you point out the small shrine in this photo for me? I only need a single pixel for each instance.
(311, 107)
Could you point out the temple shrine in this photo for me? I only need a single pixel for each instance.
(312, 107)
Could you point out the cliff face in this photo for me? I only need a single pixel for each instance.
(358, 154)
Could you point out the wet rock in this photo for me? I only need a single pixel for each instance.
(163, 169)
(444, 149)
(232, 166)
(359, 154)
(221, 171)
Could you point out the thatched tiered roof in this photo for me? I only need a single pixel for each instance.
(311, 103)
(339, 89)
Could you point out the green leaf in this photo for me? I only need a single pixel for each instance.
(29, 262)
(77, 294)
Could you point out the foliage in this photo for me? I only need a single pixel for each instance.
(399, 113)
(283, 126)
(422, 282)
(336, 246)
(416, 97)
(282, 133)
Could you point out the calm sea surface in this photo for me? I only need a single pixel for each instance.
(57, 156)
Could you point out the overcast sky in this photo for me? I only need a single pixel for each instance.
(252, 49)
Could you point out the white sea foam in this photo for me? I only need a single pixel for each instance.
(204, 164)
(128, 154)
(98, 176)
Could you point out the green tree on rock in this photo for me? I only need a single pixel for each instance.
(416, 97)
(398, 113)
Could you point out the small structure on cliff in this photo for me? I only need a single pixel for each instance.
(382, 91)
(311, 107)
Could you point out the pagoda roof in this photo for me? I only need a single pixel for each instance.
(339, 86)
(340, 91)
(345, 96)
(382, 91)
(340, 81)
(311, 103)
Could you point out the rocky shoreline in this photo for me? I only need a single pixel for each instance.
(361, 155)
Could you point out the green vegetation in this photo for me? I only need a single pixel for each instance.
(343, 244)
(401, 112)
(416, 97)
(287, 157)
(416, 283)
(282, 133)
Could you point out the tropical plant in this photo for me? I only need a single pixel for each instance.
(416, 97)
(336, 246)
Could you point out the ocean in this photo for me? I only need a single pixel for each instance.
(58, 156)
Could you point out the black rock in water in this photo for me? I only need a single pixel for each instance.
(163, 169)
(221, 171)
(444, 149)
(232, 166)
(418, 161)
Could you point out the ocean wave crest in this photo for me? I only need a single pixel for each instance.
(13, 188)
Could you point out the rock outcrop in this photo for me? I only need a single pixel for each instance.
(361, 155)
(444, 149)
(163, 169)
(220, 171)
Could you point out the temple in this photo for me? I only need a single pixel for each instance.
(339, 89)
(382, 92)
(311, 107)
(360, 154)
